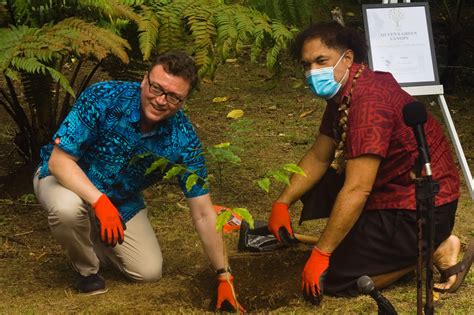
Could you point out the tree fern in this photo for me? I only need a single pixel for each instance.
(34, 52)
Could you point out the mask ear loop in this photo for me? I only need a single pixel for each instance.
(347, 70)
(340, 58)
(344, 76)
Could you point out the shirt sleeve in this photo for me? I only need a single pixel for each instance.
(370, 128)
(327, 122)
(81, 126)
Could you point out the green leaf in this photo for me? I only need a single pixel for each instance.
(279, 176)
(175, 170)
(138, 157)
(293, 168)
(223, 154)
(222, 219)
(27, 198)
(264, 183)
(160, 163)
(191, 181)
(222, 145)
(244, 214)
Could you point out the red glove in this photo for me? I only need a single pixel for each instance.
(313, 276)
(111, 224)
(279, 223)
(226, 298)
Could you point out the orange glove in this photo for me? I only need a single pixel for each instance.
(226, 299)
(313, 276)
(111, 224)
(279, 223)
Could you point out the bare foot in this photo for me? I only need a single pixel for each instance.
(445, 256)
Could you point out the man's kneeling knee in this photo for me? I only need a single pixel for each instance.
(145, 274)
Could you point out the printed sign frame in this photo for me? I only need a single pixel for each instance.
(400, 40)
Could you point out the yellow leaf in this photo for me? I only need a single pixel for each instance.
(296, 85)
(235, 114)
(306, 113)
(220, 99)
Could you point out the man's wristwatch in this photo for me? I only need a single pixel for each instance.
(223, 270)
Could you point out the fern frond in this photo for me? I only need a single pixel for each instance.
(171, 30)
(291, 10)
(63, 81)
(31, 65)
(276, 9)
(12, 74)
(281, 34)
(211, 31)
(26, 42)
(132, 2)
(262, 28)
(245, 27)
(226, 33)
(148, 27)
(124, 10)
(93, 40)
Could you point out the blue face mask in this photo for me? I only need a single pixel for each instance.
(322, 83)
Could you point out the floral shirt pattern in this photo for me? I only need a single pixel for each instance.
(376, 126)
(103, 132)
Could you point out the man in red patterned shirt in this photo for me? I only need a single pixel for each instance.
(359, 172)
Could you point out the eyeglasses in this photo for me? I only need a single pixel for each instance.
(157, 90)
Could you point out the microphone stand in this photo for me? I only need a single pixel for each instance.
(425, 190)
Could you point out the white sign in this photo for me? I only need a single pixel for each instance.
(400, 42)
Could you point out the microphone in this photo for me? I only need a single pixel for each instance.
(415, 115)
(366, 286)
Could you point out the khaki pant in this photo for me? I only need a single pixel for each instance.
(71, 222)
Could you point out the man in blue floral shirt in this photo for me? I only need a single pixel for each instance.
(91, 181)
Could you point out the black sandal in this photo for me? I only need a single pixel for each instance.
(461, 269)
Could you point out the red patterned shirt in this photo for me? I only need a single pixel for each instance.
(376, 126)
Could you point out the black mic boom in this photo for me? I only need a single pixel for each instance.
(415, 115)
(366, 286)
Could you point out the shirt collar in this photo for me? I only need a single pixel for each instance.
(163, 128)
(346, 89)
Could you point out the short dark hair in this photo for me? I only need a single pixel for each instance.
(334, 36)
(179, 64)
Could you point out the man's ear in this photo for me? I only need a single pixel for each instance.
(142, 85)
(348, 58)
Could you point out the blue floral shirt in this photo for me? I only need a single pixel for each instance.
(103, 132)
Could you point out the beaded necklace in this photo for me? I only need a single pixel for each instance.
(339, 162)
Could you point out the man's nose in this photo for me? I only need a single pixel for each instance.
(161, 99)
